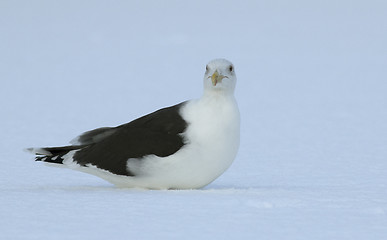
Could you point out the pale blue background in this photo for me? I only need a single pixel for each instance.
(312, 90)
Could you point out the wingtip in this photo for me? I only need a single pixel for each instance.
(37, 151)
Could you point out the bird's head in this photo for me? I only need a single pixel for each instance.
(219, 76)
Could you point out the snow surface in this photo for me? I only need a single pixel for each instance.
(312, 94)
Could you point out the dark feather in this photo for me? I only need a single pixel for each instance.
(55, 154)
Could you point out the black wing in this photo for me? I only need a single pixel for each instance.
(158, 133)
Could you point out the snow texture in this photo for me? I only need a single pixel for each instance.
(312, 90)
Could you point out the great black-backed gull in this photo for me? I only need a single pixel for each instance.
(184, 146)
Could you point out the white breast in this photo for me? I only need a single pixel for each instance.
(214, 136)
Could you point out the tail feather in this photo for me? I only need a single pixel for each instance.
(52, 154)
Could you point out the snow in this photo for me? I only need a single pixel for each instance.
(311, 90)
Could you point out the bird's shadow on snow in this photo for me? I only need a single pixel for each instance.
(225, 189)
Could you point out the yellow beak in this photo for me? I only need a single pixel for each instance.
(216, 78)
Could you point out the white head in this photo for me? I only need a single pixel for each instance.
(219, 77)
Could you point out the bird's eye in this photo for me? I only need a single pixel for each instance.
(207, 68)
(231, 68)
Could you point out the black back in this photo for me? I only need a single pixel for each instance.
(158, 133)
